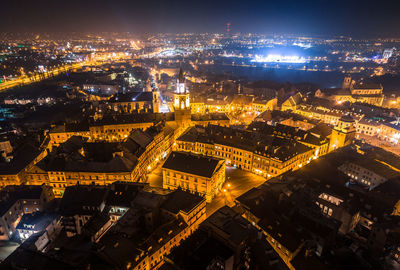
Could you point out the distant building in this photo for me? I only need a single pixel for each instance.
(195, 173)
(368, 93)
(347, 82)
(292, 102)
(101, 89)
(387, 53)
(139, 102)
(354, 92)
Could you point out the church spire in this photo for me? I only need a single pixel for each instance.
(180, 84)
(181, 77)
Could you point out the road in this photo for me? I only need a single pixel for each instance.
(237, 182)
(23, 80)
(38, 77)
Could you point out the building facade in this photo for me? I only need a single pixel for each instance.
(195, 173)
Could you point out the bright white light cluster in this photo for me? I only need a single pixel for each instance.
(302, 45)
(277, 58)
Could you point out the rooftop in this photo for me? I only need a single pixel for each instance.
(37, 221)
(22, 158)
(193, 164)
(181, 200)
(82, 199)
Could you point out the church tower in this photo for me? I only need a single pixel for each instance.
(346, 82)
(343, 133)
(156, 101)
(182, 102)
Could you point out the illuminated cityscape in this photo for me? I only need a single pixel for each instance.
(214, 135)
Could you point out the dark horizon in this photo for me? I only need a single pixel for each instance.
(307, 17)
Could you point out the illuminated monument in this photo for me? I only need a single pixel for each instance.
(182, 102)
(343, 133)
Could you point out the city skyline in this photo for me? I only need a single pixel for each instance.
(172, 135)
(312, 17)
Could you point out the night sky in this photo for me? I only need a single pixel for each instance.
(317, 17)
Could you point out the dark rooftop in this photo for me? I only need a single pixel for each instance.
(22, 158)
(39, 220)
(181, 200)
(78, 198)
(192, 164)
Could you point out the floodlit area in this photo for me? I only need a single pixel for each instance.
(277, 58)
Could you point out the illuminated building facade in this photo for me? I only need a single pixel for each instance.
(292, 103)
(15, 172)
(227, 106)
(156, 101)
(182, 109)
(368, 173)
(205, 175)
(389, 132)
(369, 128)
(343, 133)
(197, 107)
(186, 211)
(368, 93)
(326, 115)
(268, 155)
(285, 208)
(129, 160)
(116, 128)
(352, 92)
